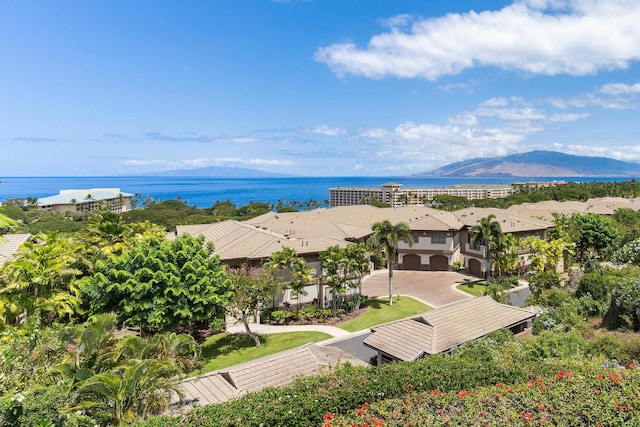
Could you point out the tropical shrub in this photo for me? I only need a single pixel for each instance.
(161, 285)
(624, 311)
(628, 254)
(343, 390)
(603, 397)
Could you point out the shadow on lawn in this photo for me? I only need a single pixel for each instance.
(229, 343)
(377, 303)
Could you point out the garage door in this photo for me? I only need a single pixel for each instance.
(475, 267)
(411, 262)
(438, 263)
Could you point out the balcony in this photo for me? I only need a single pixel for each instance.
(477, 250)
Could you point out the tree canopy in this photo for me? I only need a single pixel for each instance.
(161, 285)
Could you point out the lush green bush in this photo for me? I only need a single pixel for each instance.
(625, 305)
(598, 284)
(485, 362)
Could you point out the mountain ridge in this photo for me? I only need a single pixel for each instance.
(537, 163)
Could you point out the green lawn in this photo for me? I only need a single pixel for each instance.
(379, 312)
(477, 289)
(222, 350)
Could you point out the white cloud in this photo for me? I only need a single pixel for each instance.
(567, 117)
(396, 21)
(375, 133)
(628, 153)
(620, 89)
(264, 162)
(242, 140)
(550, 37)
(327, 131)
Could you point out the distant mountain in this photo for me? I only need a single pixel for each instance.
(538, 164)
(220, 172)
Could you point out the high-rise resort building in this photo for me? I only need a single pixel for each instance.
(394, 195)
(87, 200)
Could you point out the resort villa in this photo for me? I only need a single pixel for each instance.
(441, 240)
(79, 201)
(394, 195)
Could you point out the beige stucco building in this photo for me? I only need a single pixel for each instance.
(394, 195)
(79, 201)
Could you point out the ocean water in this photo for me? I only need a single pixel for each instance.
(204, 192)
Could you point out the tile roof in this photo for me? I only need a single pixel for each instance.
(241, 240)
(270, 371)
(9, 247)
(440, 330)
(510, 221)
(354, 222)
(603, 206)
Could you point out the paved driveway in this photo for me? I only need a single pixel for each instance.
(435, 288)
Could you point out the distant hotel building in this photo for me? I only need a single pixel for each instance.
(392, 194)
(87, 200)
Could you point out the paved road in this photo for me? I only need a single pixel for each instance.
(434, 288)
(353, 345)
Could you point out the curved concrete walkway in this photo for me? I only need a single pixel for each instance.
(274, 329)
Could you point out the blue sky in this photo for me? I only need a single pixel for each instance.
(315, 87)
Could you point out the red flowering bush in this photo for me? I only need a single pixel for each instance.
(610, 397)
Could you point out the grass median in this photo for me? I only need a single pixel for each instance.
(380, 311)
(223, 350)
(477, 289)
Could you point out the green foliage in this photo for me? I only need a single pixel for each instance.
(11, 409)
(563, 318)
(602, 397)
(44, 404)
(488, 233)
(628, 254)
(41, 280)
(253, 209)
(384, 242)
(593, 236)
(597, 284)
(334, 272)
(625, 304)
(252, 289)
(627, 222)
(446, 202)
(167, 214)
(543, 280)
(161, 284)
(496, 359)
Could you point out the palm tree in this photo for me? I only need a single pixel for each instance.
(137, 388)
(281, 262)
(357, 263)
(487, 232)
(41, 278)
(300, 277)
(385, 238)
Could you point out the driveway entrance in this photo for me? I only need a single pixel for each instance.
(435, 288)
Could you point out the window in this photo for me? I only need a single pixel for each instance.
(438, 237)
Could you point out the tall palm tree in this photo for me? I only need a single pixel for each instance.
(487, 232)
(385, 238)
(301, 276)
